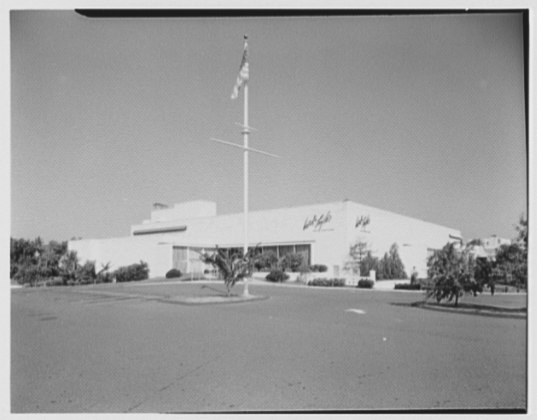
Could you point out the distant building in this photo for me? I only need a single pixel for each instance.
(174, 236)
(493, 243)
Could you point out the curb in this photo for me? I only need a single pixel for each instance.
(212, 300)
(482, 312)
(180, 300)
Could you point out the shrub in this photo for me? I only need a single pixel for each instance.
(277, 276)
(173, 273)
(327, 282)
(365, 284)
(319, 268)
(131, 272)
(407, 286)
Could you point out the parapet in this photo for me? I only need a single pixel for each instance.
(186, 210)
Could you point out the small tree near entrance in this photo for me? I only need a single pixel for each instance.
(233, 268)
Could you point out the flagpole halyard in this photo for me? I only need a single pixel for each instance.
(245, 133)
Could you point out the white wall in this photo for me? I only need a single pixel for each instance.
(413, 236)
(125, 251)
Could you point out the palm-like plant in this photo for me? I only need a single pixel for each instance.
(233, 267)
(69, 265)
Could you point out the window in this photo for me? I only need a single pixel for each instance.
(273, 249)
(285, 249)
(305, 251)
(279, 251)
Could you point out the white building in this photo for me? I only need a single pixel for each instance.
(492, 244)
(323, 233)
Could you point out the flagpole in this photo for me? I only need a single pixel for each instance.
(242, 80)
(245, 133)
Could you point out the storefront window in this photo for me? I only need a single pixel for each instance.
(273, 249)
(305, 251)
(285, 249)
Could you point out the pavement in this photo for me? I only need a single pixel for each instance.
(127, 348)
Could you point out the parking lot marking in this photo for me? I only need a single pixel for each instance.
(356, 311)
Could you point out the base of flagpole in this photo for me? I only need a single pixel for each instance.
(245, 291)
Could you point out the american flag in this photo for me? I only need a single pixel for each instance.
(244, 72)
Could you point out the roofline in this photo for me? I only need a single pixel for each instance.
(304, 206)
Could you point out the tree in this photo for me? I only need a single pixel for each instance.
(85, 273)
(512, 264)
(69, 266)
(23, 255)
(232, 267)
(25, 258)
(452, 272)
(391, 266)
(368, 263)
(522, 229)
(484, 273)
(49, 260)
(357, 252)
(103, 275)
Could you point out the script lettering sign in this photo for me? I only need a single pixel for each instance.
(317, 221)
(362, 222)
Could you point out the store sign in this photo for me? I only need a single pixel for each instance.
(362, 222)
(316, 223)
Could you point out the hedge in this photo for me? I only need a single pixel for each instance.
(327, 282)
(365, 284)
(173, 273)
(319, 268)
(407, 286)
(277, 276)
(131, 272)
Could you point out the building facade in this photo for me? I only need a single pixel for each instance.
(173, 237)
(492, 244)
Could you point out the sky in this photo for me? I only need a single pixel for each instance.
(421, 115)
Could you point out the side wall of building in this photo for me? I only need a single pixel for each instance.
(380, 229)
(125, 251)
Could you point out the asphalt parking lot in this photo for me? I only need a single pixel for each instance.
(132, 348)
